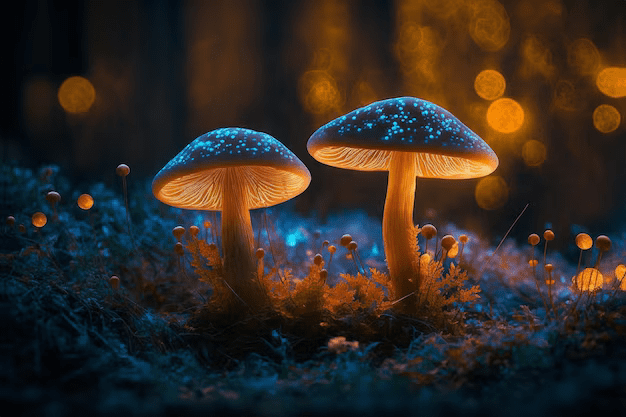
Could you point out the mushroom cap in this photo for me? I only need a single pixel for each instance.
(193, 179)
(365, 138)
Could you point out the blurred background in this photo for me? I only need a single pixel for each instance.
(91, 84)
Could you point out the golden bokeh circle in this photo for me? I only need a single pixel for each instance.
(583, 56)
(611, 81)
(319, 92)
(606, 118)
(85, 201)
(505, 115)
(39, 219)
(620, 273)
(76, 95)
(534, 153)
(489, 84)
(489, 25)
(491, 192)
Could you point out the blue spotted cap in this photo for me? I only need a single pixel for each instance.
(365, 139)
(193, 179)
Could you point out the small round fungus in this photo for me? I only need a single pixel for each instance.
(352, 245)
(548, 235)
(85, 201)
(10, 221)
(409, 138)
(603, 243)
(122, 170)
(533, 239)
(584, 241)
(233, 170)
(194, 230)
(178, 232)
(39, 219)
(429, 231)
(52, 197)
(463, 239)
(447, 242)
(345, 239)
(260, 253)
(317, 259)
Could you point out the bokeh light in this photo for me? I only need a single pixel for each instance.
(489, 24)
(418, 48)
(319, 92)
(534, 153)
(590, 279)
(76, 95)
(489, 84)
(565, 96)
(611, 81)
(505, 115)
(606, 118)
(39, 219)
(491, 192)
(583, 56)
(85, 201)
(537, 58)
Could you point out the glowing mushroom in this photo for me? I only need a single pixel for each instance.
(410, 138)
(233, 170)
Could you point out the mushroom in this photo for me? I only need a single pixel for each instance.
(233, 170)
(410, 138)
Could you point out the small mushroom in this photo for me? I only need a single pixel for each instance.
(410, 138)
(233, 170)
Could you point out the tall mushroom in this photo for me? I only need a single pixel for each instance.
(233, 170)
(410, 138)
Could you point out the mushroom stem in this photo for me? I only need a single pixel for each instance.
(398, 224)
(238, 240)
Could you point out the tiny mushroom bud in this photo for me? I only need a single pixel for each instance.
(447, 242)
(584, 241)
(194, 230)
(603, 243)
(178, 248)
(429, 231)
(345, 239)
(463, 239)
(352, 245)
(332, 249)
(533, 262)
(85, 201)
(52, 197)
(548, 267)
(115, 282)
(39, 219)
(260, 253)
(323, 275)
(122, 170)
(317, 259)
(325, 243)
(21, 228)
(548, 235)
(178, 232)
(10, 221)
(533, 239)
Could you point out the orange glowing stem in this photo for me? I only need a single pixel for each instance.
(238, 241)
(398, 224)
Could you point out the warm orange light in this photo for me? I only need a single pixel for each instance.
(590, 279)
(418, 48)
(606, 118)
(612, 82)
(39, 219)
(534, 153)
(489, 24)
(505, 115)
(319, 92)
(537, 57)
(76, 95)
(85, 201)
(489, 84)
(491, 192)
(583, 56)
